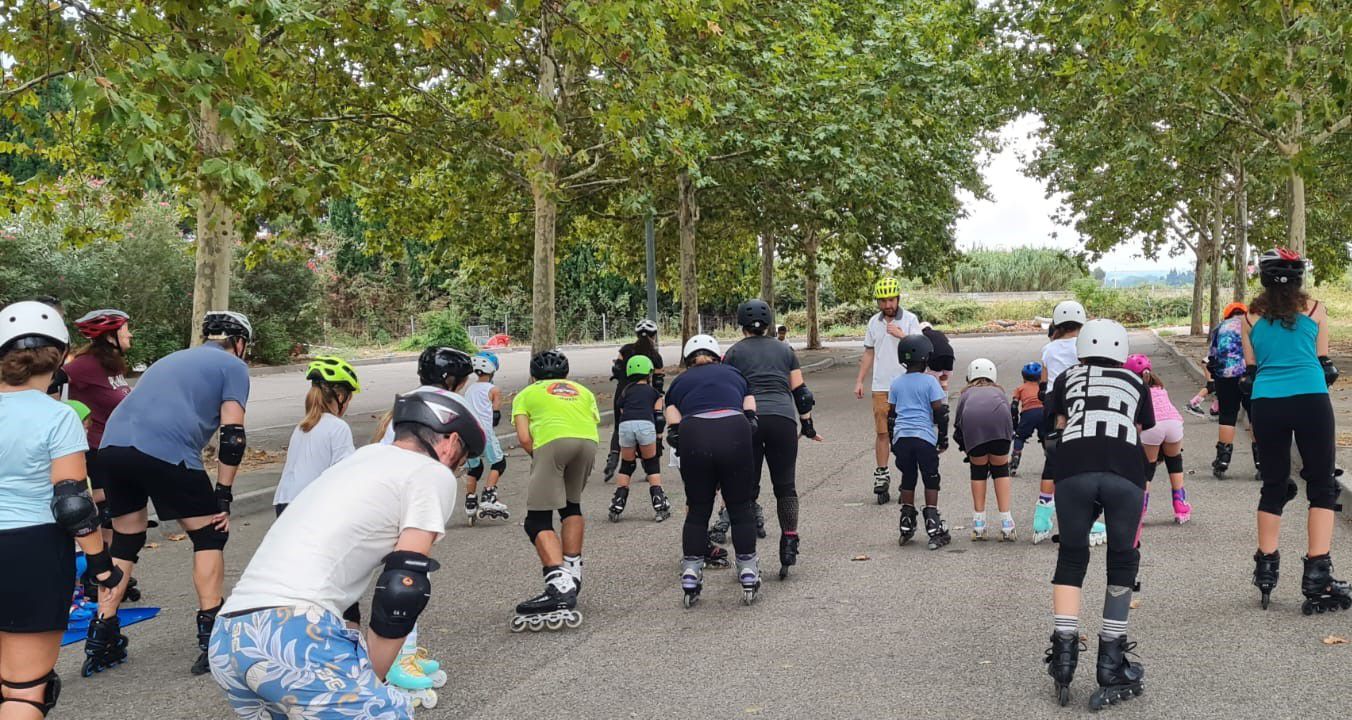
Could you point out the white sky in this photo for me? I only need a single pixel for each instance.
(1020, 214)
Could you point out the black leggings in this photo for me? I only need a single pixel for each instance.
(1077, 501)
(776, 444)
(716, 456)
(1309, 419)
(1231, 400)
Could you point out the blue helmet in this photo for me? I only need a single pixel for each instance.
(1032, 371)
(485, 362)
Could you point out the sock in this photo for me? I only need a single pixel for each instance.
(978, 518)
(573, 564)
(1196, 400)
(1116, 605)
(1181, 495)
(1066, 625)
(1006, 518)
(1046, 499)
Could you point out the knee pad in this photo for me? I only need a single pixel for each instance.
(1071, 565)
(127, 547)
(570, 510)
(538, 521)
(979, 473)
(1173, 463)
(627, 467)
(353, 614)
(1150, 468)
(1324, 495)
(1274, 496)
(476, 472)
(1122, 566)
(1000, 471)
(500, 466)
(401, 593)
(932, 481)
(652, 466)
(50, 693)
(105, 518)
(208, 538)
(908, 482)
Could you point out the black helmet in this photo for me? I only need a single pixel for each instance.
(549, 365)
(438, 363)
(437, 411)
(914, 349)
(1280, 267)
(225, 324)
(755, 315)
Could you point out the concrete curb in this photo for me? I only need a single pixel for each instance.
(260, 500)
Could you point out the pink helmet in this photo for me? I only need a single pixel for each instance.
(1137, 364)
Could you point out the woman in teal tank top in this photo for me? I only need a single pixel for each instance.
(1286, 345)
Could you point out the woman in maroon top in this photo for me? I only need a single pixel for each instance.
(98, 379)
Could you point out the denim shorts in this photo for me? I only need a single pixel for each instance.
(492, 453)
(634, 433)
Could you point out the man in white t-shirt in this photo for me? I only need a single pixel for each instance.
(384, 505)
(880, 357)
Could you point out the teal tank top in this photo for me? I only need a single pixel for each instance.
(1287, 363)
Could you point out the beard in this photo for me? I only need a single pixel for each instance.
(890, 312)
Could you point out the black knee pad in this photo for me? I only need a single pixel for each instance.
(908, 482)
(1173, 463)
(1122, 566)
(1324, 495)
(208, 538)
(538, 521)
(476, 472)
(105, 519)
(353, 614)
(979, 472)
(1000, 471)
(1150, 468)
(127, 547)
(50, 693)
(500, 466)
(1274, 496)
(932, 481)
(627, 467)
(1072, 562)
(652, 466)
(570, 510)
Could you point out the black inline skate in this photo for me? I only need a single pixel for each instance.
(1323, 592)
(718, 532)
(1014, 463)
(661, 505)
(760, 521)
(105, 645)
(882, 481)
(1224, 453)
(1062, 658)
(1257, 464)
(907, 526)
(612, 464)
(936, 528)
(788, 553)
(133, 593)
(717, 557)
(692, 580)
(552, 609)
(618, 502)
(1266, 570)
(1119, 679)
(206, 620)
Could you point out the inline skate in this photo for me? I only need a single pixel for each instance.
(661, 505)
(1008, 533)
(717, 557)
(748, 574)
(882, 480)
(788, 553)
(907, 525)
(718, 532)
(617, 503)
(105, 646)
(471, 508)
(760, 521)
(1266, 570)
(1014, 463)
(1182, 508)
(1119, 679)
(1098, 534)
(206, 620)
(552, 609)
(979, 527)
(935, 527)
(491, 507)
(1062, 658)
(408, 677)
(1044, 516)
(431, 668)
(692, 580)
(1224, 453)
(1323, 592)
(612, 464)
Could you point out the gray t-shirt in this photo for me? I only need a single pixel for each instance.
(983, 415)
(175, 407)
(766, 363)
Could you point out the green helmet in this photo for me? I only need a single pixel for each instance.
(638, 365)
(334, 371)
(886, 288)
(81, 409)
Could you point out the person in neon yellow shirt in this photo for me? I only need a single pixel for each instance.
(556, 421)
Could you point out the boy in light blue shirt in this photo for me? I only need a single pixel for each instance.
(917, 420)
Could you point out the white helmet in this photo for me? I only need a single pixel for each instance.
(1104, 339)
(646, 327)
(30, 324)
(482, 364)
(220, 324)
(981, 368)
(698, 343)
(1069, 311)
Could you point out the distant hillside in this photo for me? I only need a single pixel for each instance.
(1137, 278)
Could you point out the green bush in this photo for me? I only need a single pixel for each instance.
(1016, 270)
(1130, 307)
(442, 328)
(280, 293)
(945, 312)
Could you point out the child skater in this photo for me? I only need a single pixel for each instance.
(1166, 437)
(485, 401)
(916, 406)
(984, 430)
(1025, 410)
(641, 422)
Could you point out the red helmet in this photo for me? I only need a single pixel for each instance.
(101, 322)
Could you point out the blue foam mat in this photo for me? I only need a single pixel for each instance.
(76, 631)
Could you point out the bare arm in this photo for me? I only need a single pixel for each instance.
(384, 650)
(795, 379)
(1244, 328)
(673, 415)
(495, 397)
(749, 403)
(865, 367)
(1321, 342)
(522, 423)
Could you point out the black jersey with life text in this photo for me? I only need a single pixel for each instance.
(1103, 407)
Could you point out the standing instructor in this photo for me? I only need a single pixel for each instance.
(885, 329)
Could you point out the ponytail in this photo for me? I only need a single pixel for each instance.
(324, 398)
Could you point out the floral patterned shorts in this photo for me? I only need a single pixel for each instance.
(299, 663)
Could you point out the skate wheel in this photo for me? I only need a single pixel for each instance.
(429, 698)
(518, 624)
(554, 623)
(439, 678)
(1063, 695)
(689, 601)
(614, 517)
(89, 668)
(883, 498)
(783, 573)
(473, 519)
(574, 620)
(1265, 601)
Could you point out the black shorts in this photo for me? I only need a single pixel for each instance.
(130, 476)
(91, 469)
(994, 447)
(39, 579)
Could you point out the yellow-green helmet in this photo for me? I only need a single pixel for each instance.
(81, 410)
(638, 365)
(886, 288)
(334, 371)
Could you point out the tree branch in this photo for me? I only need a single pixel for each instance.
(1331, 130)
(7, 94)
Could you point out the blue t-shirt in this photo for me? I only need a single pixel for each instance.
(34, 431)
(705, 388)
(912, 394)
(175, 408)
(1287, 363)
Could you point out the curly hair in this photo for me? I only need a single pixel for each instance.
(110, 358)
(1281, 303)
(17, 367)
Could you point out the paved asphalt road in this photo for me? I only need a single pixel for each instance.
(955, 633)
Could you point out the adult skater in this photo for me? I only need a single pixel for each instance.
(711, 421)
(1099, 409)
(645, 343)
(152, 448)
(1225, 364)
(280, 647)
(784, 408)
(885, 330)
(1286, 346)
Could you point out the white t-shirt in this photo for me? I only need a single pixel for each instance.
(1058, 355)
(325, 549)
(311, 453)
(886, 367)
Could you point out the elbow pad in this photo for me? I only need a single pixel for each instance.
(73, 508)
(1042, 392)
(659, 381)
(674, 436)
(1330, 370)
(803, 399)
(891, 421)
(402, 592)
(497, 418)
(1014, 411)
(941, 421)
(232, 445)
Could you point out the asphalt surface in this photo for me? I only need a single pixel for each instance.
(862, 629)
